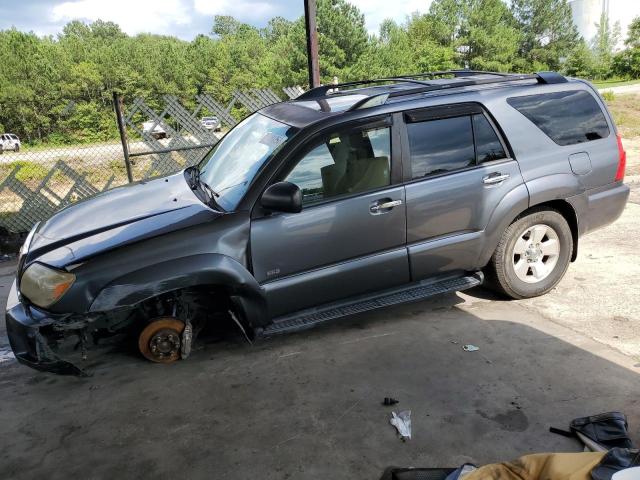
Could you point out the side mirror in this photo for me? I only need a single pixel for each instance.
(282, 197)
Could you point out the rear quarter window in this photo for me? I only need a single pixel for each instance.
(568, 118)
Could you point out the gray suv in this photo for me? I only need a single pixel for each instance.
(349, 198)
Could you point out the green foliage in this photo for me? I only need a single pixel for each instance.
(608, 95)
(482, 33)
(548, 33)
(603, 45)
(402, 50)
(627, 63)
(59, 89)
(580, 62)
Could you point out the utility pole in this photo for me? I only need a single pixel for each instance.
(312, 43)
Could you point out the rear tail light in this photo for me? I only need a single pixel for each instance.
(622, 160)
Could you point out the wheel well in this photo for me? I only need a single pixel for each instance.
(569, 214)
(202, 304)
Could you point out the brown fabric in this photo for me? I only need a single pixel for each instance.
(541, 466)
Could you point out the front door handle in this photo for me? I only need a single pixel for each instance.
(384, 205)
(495, 178)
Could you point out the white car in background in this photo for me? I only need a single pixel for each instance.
(211, 123)
(10, 141)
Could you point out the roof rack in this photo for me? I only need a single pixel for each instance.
(460, 77)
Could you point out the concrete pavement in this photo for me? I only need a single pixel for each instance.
(307, 405)
(622, 89)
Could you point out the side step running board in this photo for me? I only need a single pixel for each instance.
(414, 292)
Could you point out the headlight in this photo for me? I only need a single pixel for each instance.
(27, 244)
(43, 285)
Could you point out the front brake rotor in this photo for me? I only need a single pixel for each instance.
(161, 340)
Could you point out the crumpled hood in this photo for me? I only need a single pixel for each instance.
(118, 217)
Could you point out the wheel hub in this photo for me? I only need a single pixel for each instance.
(535, 253)
(161, 340)
(165, 343)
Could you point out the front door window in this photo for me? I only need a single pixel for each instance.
(343, 164)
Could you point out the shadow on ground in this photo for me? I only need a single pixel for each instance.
(309, 405)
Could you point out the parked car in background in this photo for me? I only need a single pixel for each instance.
(153, 128)
(349, 198)
(211, 123)
(10, 141)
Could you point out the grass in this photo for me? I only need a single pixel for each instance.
(614, 83)
(46, 146)
(626, 113)
(28, 171)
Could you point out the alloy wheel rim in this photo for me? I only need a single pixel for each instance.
(536, 253)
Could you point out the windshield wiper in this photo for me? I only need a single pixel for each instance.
(195, 182)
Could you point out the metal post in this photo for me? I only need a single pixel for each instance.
(117, 106)
(312, 42)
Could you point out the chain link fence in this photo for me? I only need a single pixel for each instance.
(157, 139)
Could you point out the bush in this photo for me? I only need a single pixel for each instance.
(608, 95)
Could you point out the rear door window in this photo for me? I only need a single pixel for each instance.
(439, 146)
(442, 145)
(488, 145)
(568, 118)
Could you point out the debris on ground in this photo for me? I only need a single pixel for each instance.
(402, 422)
(470, 348)
(599, 433)
(388, 401)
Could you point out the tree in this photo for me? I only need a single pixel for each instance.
(633, 34)
(225, 25)
(482, 32)
(603, 45)
(342, 39)
(627, 62)
(580, 62)
(548, 33)
(341, 25)
(60, 88)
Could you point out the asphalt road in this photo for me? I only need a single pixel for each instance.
(307, 405)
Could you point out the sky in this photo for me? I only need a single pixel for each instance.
(182, 18)
(188, 18)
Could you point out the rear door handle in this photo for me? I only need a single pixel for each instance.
(379, 207)
(494, 178)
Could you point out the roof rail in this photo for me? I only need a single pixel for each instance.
(426, 86)
(324, 90)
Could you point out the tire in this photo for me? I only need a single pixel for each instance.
(16, 148)
(533, 255)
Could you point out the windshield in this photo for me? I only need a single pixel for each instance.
(231, 165)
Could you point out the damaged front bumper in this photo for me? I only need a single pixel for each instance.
(27, 329)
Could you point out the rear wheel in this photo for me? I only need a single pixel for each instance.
(161, 340)
(533, 255)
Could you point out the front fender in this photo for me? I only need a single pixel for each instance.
(184, 272)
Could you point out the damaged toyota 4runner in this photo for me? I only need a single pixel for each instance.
(349, 198)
